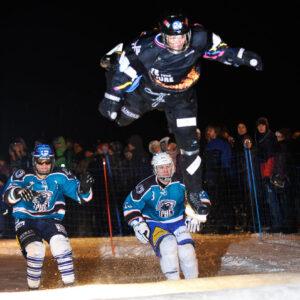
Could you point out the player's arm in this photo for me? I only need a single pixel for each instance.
(79, 190)
(132, 208)
(15, 189)
(219, 51)
(121, 77)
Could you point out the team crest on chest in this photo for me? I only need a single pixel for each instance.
(42, 200)
(166, 208)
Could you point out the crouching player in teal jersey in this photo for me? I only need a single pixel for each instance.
(38, 206)
(155, 210)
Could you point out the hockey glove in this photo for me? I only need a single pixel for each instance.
(141, 230)
(253, 60)
(194, 224)
(86, 182)
(110, 106)
(24, 194)
(194, 220)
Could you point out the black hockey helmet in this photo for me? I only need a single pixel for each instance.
(173, 25)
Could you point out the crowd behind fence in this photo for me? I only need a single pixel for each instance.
(254, 183)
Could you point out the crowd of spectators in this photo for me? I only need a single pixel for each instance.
(224, 173)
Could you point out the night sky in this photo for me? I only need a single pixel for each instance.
(51, 82)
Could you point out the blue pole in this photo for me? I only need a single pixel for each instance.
(255, 194)
(250, 187)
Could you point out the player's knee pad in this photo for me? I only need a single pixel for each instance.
(168, 245)
(169, 258)
(62, 251)
(59, 245)
(182, 235)
(35, 250)
(188, 261)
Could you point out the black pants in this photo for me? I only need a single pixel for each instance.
(181, 113)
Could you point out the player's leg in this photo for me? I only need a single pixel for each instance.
(164, 245)
(61, 250)
(182, 120)
(33, 250)
(169, 257)
(186, 253)
(133, 108)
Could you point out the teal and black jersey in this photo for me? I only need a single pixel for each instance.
(150, 201)
(49, 201)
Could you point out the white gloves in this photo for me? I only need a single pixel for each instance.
(193, 220)
(141, 230)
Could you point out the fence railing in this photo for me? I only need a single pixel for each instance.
(242, 200)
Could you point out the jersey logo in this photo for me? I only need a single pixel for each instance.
(19, 173)
(136, 48)
(42, 200)
(166, 208)
(140, 189)
(161, 77)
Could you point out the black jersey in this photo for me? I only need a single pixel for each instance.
(148, 57)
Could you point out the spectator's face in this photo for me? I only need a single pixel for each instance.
(128, 155)
(105, 148)
(242, 129)
(77, 148)
(18, 149)
(211, 133)
(156, 148)
(279, 136)
(57, 145)
(172, 150)
(88, 153)
(262, 128)
(198, 134)
(130, 147)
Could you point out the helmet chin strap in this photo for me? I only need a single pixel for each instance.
(165, 179)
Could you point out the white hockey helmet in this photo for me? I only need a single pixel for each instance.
(160, 159)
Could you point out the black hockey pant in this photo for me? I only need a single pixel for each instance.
(181, 113)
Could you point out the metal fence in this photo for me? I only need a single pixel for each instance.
(242, 201)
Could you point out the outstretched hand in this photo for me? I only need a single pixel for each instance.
(86, 182)
(254, 60)
(194, 220)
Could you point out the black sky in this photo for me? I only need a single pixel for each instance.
(51, 83)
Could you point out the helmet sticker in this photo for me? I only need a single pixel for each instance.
(177, 25)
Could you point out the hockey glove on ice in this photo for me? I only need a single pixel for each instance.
(141, 230)
(86, 182)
